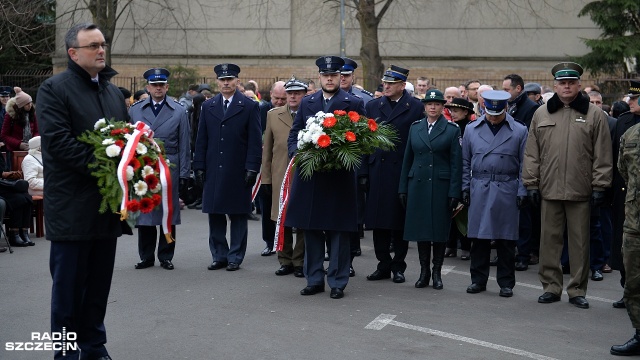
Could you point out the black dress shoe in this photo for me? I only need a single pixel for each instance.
(217, 265)
(533, 260)
(16, 240)
(548, 298)
(166, 264)
(337, 293)
(144, 264)
(233, 266)
(352, 272)
(254, 217)
(522, 266)
(298, 271)
(619, 304)
(631, 347)
(566, 269)
(24, 235)
(579, 301)
(596, 275)
(476, 288)
(378, 275)
(312, 290)
(267, 251)
(195, 204)
(284, 270)
(494, 261)
(398, 277)
(449, 252)
(506, 292)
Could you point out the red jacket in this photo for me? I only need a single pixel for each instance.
(12, 131)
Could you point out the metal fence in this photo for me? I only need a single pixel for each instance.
(29, 81)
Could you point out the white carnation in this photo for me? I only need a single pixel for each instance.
(129, 173)
(300, 144)
(113, 150)
(100, 124)
(300, 133)
(307, 137)
(157, 188)
(128, 136)
(147, 170)
(140, 187)
(108, 142)
(315, 137)
(141, 149)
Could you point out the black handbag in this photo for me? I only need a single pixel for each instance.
(16, 186)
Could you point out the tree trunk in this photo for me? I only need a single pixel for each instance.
(104, 15)
(372, 67)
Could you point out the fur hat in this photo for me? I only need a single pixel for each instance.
(22, 98)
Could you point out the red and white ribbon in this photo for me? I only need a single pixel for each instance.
(282, 208)
(128, 153)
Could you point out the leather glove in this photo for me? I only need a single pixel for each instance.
(403, 200)
(363, 183)
(267, 189)
(453, 204)
(522, 202)
(466, 198)
(597, 198)
(182, 188)
(250, 178)
(200, 176)
(534, 197)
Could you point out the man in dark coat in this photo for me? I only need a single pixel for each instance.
(83, 241)
(380, 173)
(625, 121)
(169, 122)
(227, 160)
(325, 204)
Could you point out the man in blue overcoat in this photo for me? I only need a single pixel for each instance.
(227, 160)
(492, 155)
(380, 172)
(170, 124)
(325, 204)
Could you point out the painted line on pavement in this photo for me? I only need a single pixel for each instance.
(386, 319)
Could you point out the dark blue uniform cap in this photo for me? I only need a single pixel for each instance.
(226, 71)
(634, 89)
(5, 90)
(329, 64)
(348, 67)
(495, 101)
(157, 75)
(395, 74)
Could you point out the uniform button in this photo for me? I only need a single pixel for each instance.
(623, 189)
(430, 165)
(382, 160)
(221, 139)
(419, 166)
(429, 179)
(501, 156)
(220, 152)
(420, 152)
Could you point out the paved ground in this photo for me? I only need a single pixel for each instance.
(193, 313)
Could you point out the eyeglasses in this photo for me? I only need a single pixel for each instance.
(93, 46)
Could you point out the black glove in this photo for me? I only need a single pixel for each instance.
(267, 189)
(250, 178)
(466, 198)
(403, 200)
(534, 197)
(522, 202)
(597, 198)
(453, 203)
(363, 183)
(200, 176)
(182, 187)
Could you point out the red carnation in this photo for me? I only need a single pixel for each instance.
(350, 136)
(339, 112)
(135, 164)
(157, 199)
(353, 116)
(115, 132)
(147, 160)
(133, 206)
(329, 122)
(373, 125)
(146, 205)
(125, 130)
(324, 141)
(120, 143)
(151, 180)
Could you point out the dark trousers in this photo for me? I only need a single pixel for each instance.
(606, 227)
(236, 248)
(339, 261)
(382, 238)
(354, 244)
(454, 236)
(147, 236)
(525, 235)
(290, 254)
(268, 225)
(480, 258)
(81, 272)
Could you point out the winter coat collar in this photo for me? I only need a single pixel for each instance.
(104, 75)
(580, 104)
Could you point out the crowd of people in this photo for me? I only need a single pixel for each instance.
(540, 175)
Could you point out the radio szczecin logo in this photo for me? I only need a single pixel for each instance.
(56, 341)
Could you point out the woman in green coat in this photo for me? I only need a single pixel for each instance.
(430, 185)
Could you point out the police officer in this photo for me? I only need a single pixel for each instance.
(380, 173)
(5, 95)
(170, 124)
(630, 171)
(348, 78)
(492, 153)
(325, 204)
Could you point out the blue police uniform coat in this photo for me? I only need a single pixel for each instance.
(327, 200)
(362, 94)
(171, 126)
(228, 144)
(492, 167)
(383, 210)
(431, 174)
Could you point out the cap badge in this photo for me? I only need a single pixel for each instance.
(225, 67)
(432, 94)
(327, 60)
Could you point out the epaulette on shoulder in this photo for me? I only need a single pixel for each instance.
(520, 122)
(453, 123)
(416, 122)
(367, 92)
(137, 102)
(357, 95)
(270, 110)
